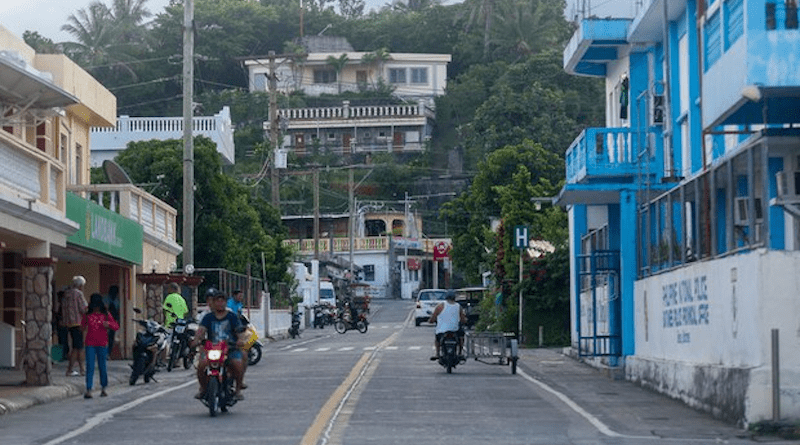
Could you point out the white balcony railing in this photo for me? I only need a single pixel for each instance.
(106, 142)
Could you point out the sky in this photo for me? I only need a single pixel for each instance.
(47, 16)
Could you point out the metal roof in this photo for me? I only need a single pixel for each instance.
(24, 86)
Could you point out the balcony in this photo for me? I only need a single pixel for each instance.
(156, 217)
(341, 246)
(609, 154)
(347, 116)
(108, 142)
(601, 161)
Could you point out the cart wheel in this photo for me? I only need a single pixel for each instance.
(513, 365)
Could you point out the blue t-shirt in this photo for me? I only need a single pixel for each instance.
(235, 306)
(221, 330)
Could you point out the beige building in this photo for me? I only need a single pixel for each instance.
(53, 223)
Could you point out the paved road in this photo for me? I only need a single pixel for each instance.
(379, 388)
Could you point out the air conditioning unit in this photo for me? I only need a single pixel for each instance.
(741, 211)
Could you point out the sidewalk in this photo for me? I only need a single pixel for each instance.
(626, 409)
(15, 395)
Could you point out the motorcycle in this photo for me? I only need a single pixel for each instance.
(323, 316)
(180, 346)
(294, 330)
(448, 345)
(220, 394)
(147, 348)
(252, 344)
(346, 323)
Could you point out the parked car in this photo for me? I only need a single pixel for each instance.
(427, 300)
(469, 298)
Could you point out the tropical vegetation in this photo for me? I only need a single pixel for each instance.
(502, 128)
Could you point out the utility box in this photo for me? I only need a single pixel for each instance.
(7, 346)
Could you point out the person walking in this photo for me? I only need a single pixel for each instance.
(97, 322)
(73, 307)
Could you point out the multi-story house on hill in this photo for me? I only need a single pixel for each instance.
(350, 128)
(683, 209)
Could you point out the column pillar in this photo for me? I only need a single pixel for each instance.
(38, 317)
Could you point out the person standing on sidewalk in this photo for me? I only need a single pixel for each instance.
(73, 308)
(111, 301)
(97, 322)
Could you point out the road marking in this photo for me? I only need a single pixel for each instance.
(414, 348)
(299, 349)
(391, 348)
(322, 349)
(597, 423)
(346, 348)
(108, 415)
(328, 415)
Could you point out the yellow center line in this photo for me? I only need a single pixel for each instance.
(336, 400)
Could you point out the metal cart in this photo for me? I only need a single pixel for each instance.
(492, 348)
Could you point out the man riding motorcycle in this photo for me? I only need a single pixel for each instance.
(220, 325)
(449, 316)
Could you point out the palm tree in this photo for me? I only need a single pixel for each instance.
(338, 64)
(527, 27)
(106, 38)
(482, 11)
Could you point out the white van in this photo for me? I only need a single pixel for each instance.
(326, 293)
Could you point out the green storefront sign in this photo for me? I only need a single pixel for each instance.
(104, 231)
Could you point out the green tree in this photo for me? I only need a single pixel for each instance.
(232, 228)
(338, 64)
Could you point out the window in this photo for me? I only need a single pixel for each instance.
(324, 76)
(397, 75)
(331, 136)
(369, 272)
(361, 76)
(78, 164)
(734, 21)
(260, 82)
(419, 75)
(712, 40)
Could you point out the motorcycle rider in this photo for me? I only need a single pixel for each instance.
(236, 304)
(174, 304)
(448, 316)
(220, 325)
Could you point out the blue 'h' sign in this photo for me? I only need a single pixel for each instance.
(521, 237)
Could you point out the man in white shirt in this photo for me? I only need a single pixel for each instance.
(448, 316)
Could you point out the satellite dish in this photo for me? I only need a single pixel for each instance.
(115, 174)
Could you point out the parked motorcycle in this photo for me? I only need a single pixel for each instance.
(220, 394)
(323, 315)
(346, 323)
(294, 330)
(448, 356)
(147, 347)
(252, 344)
(180, 345)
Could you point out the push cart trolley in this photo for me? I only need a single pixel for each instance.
(492, 348)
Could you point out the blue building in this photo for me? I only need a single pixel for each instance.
(684, 228)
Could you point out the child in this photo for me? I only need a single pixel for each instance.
(96, 324)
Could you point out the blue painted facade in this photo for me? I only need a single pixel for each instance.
(699, 161)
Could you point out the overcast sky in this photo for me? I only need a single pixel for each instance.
(47, 16)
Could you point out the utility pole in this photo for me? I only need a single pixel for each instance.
(316, 213)
(188, 141)
(351, 225)
(273, 132)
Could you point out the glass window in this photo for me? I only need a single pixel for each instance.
(324, 76)
(734, 21)
(397, 75)
(419, 75)
(369, 272)
(713, 48)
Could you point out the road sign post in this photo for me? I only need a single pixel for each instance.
(521, 243)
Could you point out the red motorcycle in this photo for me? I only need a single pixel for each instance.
(220, 394)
